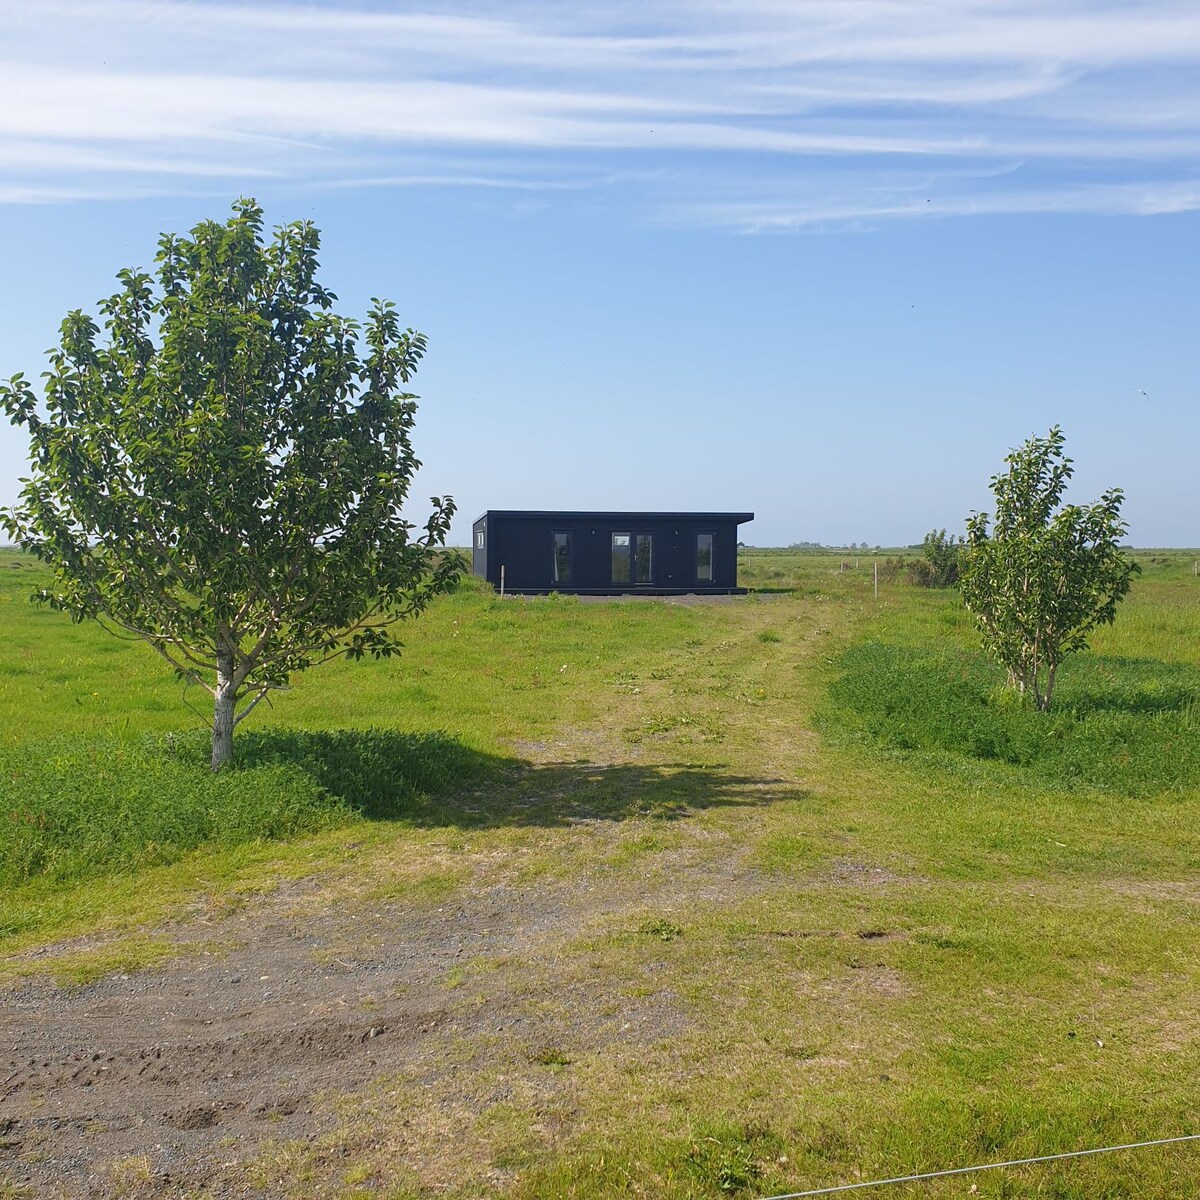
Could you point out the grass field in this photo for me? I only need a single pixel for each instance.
(899, 924)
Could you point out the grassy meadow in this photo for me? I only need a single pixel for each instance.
(905, 924)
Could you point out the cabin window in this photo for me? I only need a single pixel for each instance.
(643, 558)
(620, 558)
(479, 539)
(562, 558)
(704, 557)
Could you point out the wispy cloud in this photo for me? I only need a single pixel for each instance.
(834, 206)
(750, 102)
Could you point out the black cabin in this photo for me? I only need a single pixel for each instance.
(608, 553)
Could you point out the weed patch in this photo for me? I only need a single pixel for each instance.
(731, 1161)
(550, 1056)
(661, 928)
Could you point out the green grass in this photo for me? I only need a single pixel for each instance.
(76, 808)
(901, 923)
(1128, 725)
(73, 810)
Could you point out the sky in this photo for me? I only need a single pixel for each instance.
(823, 260)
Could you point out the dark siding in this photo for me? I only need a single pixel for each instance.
(523, 544)
(479, 564)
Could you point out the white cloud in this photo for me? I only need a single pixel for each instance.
(105, 96)
(830, 207)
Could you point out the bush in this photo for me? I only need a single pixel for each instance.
(940, 567)
(921, 573)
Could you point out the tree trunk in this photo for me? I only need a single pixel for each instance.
(1049, 689)
(222, 731)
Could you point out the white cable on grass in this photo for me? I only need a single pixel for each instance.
(1016, 1162)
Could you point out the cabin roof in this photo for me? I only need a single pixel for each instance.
(516, 514)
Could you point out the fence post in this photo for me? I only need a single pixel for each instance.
(876, 581)
(502, 579)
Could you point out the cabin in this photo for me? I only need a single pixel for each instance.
(608, 553)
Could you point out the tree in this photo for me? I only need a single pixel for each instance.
(940, 567)
(1042, 577)
(221, 473)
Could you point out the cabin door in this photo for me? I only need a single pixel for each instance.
(633, 559)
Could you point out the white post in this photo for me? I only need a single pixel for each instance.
(502, 579)
(876, 581)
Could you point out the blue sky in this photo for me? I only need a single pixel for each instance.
(823, 260)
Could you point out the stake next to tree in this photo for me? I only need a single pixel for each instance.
(1041, 578)
(221, 472)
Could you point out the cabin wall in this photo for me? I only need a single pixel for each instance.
(479, 548)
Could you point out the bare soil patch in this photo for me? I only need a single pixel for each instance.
(187, 1071)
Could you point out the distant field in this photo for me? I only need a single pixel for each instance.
(811, 901)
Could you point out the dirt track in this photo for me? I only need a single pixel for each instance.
(193, 1078)
(196, 1065)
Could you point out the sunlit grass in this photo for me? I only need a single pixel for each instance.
(880, 958)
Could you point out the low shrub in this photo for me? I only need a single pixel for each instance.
(938, 569)
(921, 573)
(942, 560)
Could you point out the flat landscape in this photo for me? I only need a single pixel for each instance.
(629, 898)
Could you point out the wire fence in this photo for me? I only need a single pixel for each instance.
(1015, 1162)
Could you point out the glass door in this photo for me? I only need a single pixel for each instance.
(621, 558)
(633, 558)
(643, 558)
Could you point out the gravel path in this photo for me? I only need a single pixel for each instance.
(167, 1081)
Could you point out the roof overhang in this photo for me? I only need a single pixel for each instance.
(516, 514)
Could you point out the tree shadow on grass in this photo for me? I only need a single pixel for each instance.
(916, 678)
(551, 794)
(1096, 684)
(432, 779)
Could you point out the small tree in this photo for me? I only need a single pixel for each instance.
(1041, 578)
(942, 552)
(222, 474)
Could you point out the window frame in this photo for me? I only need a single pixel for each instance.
(570, 542)
(612, 543)
(711, 534)
(648, 534)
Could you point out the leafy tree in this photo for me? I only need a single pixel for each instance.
(1041, 577)
(221, 472)
(941, 563)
